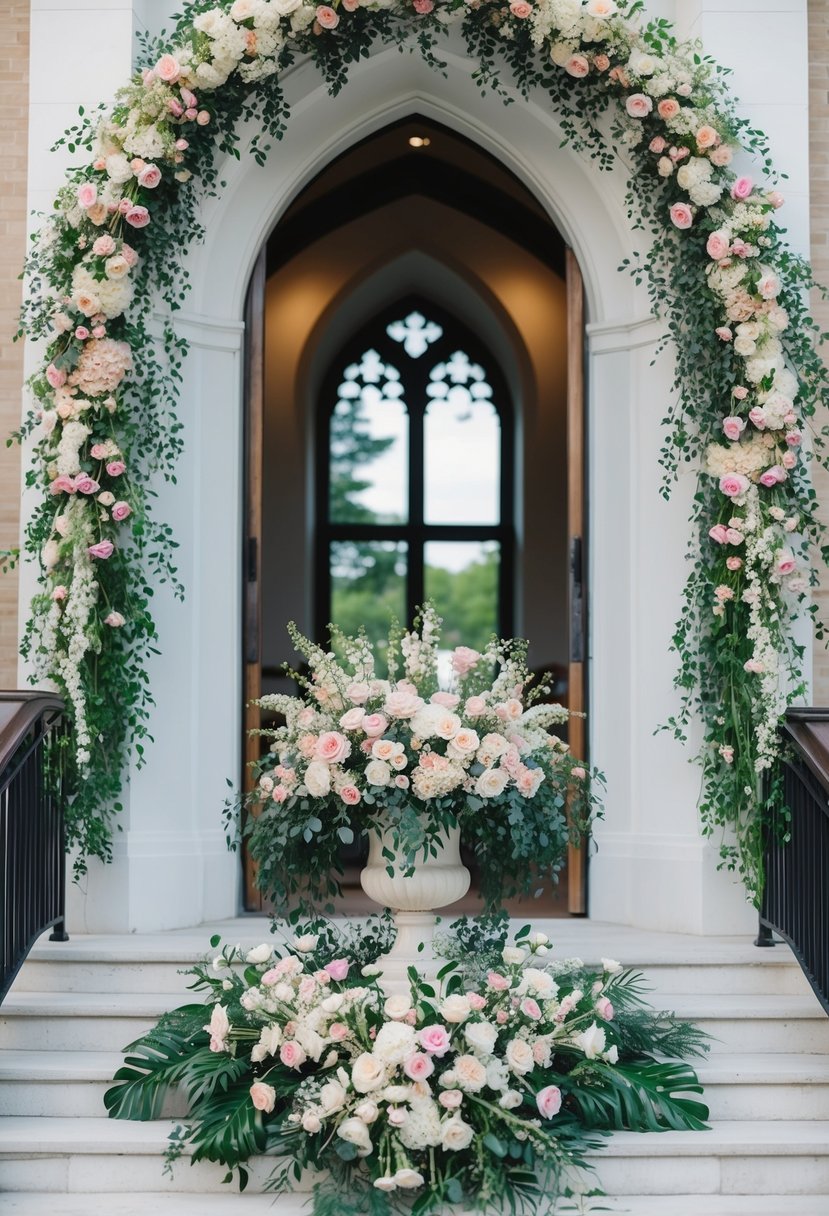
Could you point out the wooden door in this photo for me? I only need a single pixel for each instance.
(577, 858)
(252, 539)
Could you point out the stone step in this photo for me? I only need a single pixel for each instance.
(762, 1087)
(176, 1203)
(79, 1155)
(80, 1021)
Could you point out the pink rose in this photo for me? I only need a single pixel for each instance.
(352, 718)
(403, 702)
(419, 1066)
(332, 747)
(81, 333)
(168, 69)
(279, 794)
(262, 1096)
(638, 105)
(769, 285)
(681, 215)
(103, 246)
(742, 188)
(375, 725)
(794, 438)
(327, 18)
(757, 416)
(85, 484)
(62, 485)
(496, 981)
(137, 217)
(55, 376)
(129, 255)
(115, 620)
(189, 98)
(464, 659)
(721, 155)
(786, 562)
(98, 451)
(338, 1031)
(103, 549)
(578, 773)
(733, 427)
(87, 194)
(734, 484)
(449, 700)
(99, 331)
(776, 199)
(668, 108)
(770, 477)
(577, 65)
(531, 1008)
(707, 137)
(501, 1017)
(657, 145)
(733, 563)
(740, 392)
(350, 795)
(753, 667)
(475, 707)
(351, 6)
(422, 7)
(149, 177)
(291, 1054)
(604, 1009)
(723, 333)
(718, 245)
(175, 107)
(548, 1101)
(734, 537)
(59, 593)
(202, 118)
(337, 969)
(115, 468)
(718, 533)
(451, 1099)
(434, 1040)
(601, 62)
(476, 1001)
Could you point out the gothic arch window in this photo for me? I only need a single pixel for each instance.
(415, 479)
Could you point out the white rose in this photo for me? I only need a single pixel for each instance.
(396, 1007)
(491, 783)
(591, 1041)
(481, 1036)
(610, 966)
(397, 1093)
(317, 779)
(259, 954)
(470, 1074)
(333, 1002)
(464, 743)
(510, 1099)
(455, 1008)
(285, 7)
(641, 64)
(367, 1073)
(455, 1135)
(395, 1041)
(519, 1056)
(367, 1111)
(332, 1097)
(354, 1131)
(378, 772)
(538, 983)
(240, 10)
(538, 939)
(513, 955)
(497, 1074)
(447, 726)
(311, 1122)
(306, 943)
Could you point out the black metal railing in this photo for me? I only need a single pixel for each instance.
(32, 845)
(796, 893)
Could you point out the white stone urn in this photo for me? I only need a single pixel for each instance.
(437, 881)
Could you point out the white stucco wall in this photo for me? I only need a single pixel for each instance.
(651, 868)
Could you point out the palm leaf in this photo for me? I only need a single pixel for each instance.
(640, 1097)
(230, 1129)
(204, 1072)
(144, 1079)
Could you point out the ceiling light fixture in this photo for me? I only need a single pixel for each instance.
(419, 141)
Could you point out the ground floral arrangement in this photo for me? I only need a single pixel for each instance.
(487, 1088)
(404, 756)
(732, 296)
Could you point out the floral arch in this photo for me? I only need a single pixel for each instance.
(719, 275)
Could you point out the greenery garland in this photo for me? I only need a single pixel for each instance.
(487, 1087)
(747, 381)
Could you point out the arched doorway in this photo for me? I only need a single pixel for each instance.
(418, 220)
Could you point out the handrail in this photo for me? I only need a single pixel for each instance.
(796, 892)
(32, 838)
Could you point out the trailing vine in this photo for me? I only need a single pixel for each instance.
(748, 379)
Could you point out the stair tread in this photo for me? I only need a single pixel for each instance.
(727, 1068)
(89, 1134)
(179, 1204)
(150, 1004)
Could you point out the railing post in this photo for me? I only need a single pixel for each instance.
(764, 937)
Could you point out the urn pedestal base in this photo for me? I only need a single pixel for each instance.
(436, 882)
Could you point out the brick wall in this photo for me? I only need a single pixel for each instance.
(14, 107)
(819, 158)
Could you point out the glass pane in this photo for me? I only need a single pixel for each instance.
(462, 446)
(369, 445)
(461, 577)
(415, 333)
(368, 588)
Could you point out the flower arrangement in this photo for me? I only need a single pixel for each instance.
(405, 756)
(485, 1089)
(718, 271)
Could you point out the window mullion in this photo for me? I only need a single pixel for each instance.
(416, 400)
